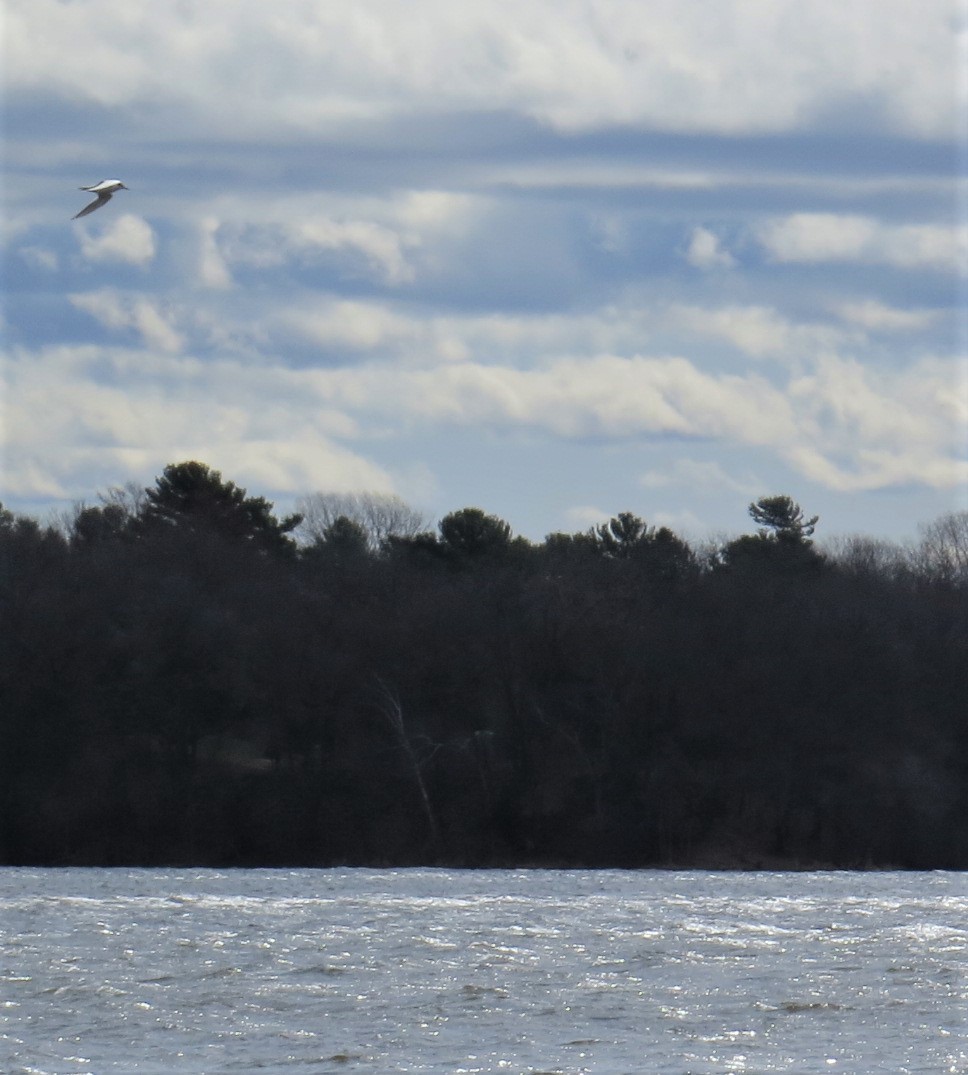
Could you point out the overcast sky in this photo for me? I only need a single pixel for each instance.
(555, 259)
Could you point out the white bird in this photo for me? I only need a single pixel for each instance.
(103, 190)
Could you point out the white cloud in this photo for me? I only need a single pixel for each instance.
(378, 250)
(128, 239)
(606, 396)
(879, 469)
(74, 414)
(757, 331)
(823, 237)
(257, 425)
(841, 425)
(212, 270)
(381, 247)
(863, 429)
(739, 66)
(115, 310)
(40, 258)
(429, 211)
(705, 251)
(419, 338)
(382, 239)
(535, 288)
(348, 324)
(699, 474)
(878, 317)
(304, 461)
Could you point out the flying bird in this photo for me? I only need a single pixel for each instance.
(103, 190)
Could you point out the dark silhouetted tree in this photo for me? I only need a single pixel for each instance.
(97, 525)
(621, 534)
(345, 536)
(192, 497)
(783, 540)
(657, 551)
(782, 517)
(470, 534)
(171, 694)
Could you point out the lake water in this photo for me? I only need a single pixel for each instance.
(317, 971)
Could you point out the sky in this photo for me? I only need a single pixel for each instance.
(555, 259)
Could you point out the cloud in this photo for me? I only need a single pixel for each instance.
(238, 66)
(606, 396)
(212, 269)
(119, 311)
(117, 414)
(39, 258)
(879, 470)
(825, 237)
(862, 429)
(396, 331)
(878, 317)
(757, 331)
(128, 239)
(451, 240)
(842, 425)
(376, 249)
(700, 474)
(705, 251)
(349, 325)
(560, 376)
(159, 408)
(382, 240)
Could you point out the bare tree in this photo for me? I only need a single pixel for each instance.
(380, 515)
(130, 497)
(862, 555)
(389, 704)
(118, 506)
(943, 550)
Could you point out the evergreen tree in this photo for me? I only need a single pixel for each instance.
(470, 533)
(191, 497)
(782, 518)
(783, 540)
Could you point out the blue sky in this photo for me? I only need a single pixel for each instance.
(552, 259)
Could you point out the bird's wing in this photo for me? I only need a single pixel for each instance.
(101, 199)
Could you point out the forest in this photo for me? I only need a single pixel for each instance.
(187, 679)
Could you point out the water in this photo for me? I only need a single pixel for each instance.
(161, 972)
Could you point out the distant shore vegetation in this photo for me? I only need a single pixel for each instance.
(187, 679)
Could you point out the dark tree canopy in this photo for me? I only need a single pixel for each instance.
(782, 517)
(621, 534)
(192, 497)
(96, 525)
(344, 536)
(657, 550)
(171, 693)
(783, 542)
(471, 533)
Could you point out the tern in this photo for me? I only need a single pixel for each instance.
(103, 190)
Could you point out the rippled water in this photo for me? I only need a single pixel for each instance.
(492, 971)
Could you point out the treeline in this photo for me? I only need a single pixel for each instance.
(187, 679)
